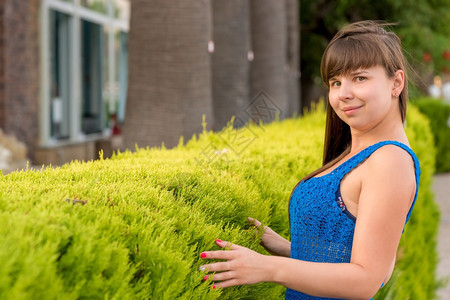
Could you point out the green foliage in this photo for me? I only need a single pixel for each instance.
(133, 226)
(422, 25)
(439, 114)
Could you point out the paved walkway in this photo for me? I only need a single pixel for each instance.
(441, 189)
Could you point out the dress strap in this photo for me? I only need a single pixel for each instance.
(360, 157)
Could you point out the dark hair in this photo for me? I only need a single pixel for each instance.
(362, 44)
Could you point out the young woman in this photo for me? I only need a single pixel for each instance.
(346, 218)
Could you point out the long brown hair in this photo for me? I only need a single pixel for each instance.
(362, 44)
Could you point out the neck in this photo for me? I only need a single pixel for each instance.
(386, 130)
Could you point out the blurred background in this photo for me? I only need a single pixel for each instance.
(78, 76)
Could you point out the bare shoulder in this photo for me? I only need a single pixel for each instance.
(392, 164)
(390, 156)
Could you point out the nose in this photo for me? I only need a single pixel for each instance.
(345, 90)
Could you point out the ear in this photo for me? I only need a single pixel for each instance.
(398, 83)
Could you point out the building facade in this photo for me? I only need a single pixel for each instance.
(63, 74)
(71, 69)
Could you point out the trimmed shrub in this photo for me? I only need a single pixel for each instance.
(133, 226)
(438, 112)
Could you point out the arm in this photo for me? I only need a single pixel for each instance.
(388, 187)
(274, 243)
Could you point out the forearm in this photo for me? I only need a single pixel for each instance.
(282, 248)
(275, 244)
(342, 280)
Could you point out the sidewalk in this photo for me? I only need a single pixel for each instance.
(441, 189)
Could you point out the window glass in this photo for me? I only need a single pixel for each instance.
(121, 76)
(92, 78)
(107, 88)
(96, 5)
(60, 74)
(122, 9)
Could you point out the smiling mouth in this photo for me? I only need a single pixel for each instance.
(350, 110)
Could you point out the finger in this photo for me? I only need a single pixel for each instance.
(215, 267)
(254, 222)
(227, 245)
(219, 254)
(222, 276)
(227, 283)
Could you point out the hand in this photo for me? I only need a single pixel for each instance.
(274, 243)
(241, 266)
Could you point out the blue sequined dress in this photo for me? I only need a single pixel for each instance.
(321, 227)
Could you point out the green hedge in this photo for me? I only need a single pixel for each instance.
(438, 112)
(133, 226)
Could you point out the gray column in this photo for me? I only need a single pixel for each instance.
(169, 71)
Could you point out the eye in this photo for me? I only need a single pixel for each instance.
(335, 83)
(360, 78)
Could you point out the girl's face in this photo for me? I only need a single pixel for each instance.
(365, 97)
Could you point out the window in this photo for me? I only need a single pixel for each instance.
(96, 5)
(84, 68)
(122, 72)
(92, 42)
(60, 75)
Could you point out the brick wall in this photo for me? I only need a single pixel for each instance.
(2, 64)
(19, 70)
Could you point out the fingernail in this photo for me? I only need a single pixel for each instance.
(213, 287)
(218, 241)
(203, 255)
(202, 269)
(205, 278)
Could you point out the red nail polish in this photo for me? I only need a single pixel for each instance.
(219, 241)
(205, 278)
(203, 255)
(213, 287)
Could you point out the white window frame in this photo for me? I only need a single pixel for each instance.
(78, 13)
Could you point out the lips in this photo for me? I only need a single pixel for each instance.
(350, 109)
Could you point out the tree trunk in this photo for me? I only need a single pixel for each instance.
(269, 44)
(230, 65)
(293, 56)
(169, 71)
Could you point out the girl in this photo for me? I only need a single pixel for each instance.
(347, 217)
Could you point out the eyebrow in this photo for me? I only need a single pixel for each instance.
(332, 79)
(356, 73)
(359, 73)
